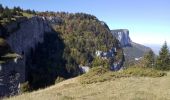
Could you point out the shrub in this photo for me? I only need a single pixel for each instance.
(59, 79)
(100, 74)
(25, 87)
(100, 62)
(94, 75)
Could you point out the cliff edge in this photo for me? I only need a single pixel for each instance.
(132, 51)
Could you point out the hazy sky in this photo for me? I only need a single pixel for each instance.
(147, 20)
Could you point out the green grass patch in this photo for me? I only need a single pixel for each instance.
(143, 72)
(99, 74)
(27, 15)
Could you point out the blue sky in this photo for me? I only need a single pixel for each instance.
(147, 20)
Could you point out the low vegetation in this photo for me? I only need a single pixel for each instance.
(74, 42)
(158, 62)
(100, 74)
(8, 15)
(152, 87)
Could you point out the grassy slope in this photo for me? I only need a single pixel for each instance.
(131, 88)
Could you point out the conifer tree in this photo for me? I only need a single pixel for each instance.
(1, 8)
(163, 60)
(149, 58)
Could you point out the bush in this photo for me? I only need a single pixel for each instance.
(100, 62)
(25, 87)
(59, 79)
(100, 74)
(94, 75)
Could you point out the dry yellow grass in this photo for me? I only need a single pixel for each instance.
(131, 88)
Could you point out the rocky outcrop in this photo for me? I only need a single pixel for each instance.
(132, 51)
(105, 55)
(84, 69)
(29, 35)
(123, 36)
(30, 39)
(111, 54)
(11, 75)
(24, 36)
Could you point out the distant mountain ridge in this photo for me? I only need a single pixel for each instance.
(132, 51)
(135, 51)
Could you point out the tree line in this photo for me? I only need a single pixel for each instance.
(160, 62)
(8, 13)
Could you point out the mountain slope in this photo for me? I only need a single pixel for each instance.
(51, 46)
(132, 88)
(135, 51)
(132, 51)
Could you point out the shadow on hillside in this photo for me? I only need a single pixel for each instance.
(46, 62)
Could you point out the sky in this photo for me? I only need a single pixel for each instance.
(147, 20)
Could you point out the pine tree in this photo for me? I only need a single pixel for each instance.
(163, 60)
(7, 13)
(1, 8)
(149, 59)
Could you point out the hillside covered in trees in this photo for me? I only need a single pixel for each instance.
(81, 35)
(72, 43)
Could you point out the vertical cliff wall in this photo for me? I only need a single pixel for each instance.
(30, 33)
(123, 36)
(23, 37)
(132, 50)
(11, 75)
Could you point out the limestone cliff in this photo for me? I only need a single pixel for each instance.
(132, 50)
(23, 36)
(123, 36)
(53, 46)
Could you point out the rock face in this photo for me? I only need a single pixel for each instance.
(28, 36)
(22, 41)
(105, 55)
(23, 37)
(132, 51)
(111, 54)
(123, 36)
(11, 75)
